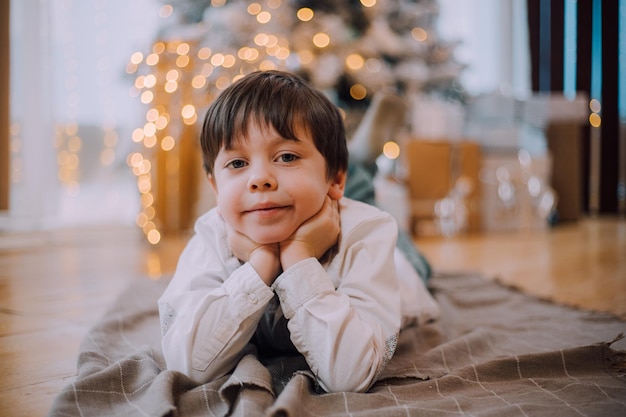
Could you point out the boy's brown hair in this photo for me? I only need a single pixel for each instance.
(283, 101)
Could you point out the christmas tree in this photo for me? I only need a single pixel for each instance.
(350, 49)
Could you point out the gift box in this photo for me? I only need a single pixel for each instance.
(433, 169)
(506, 204)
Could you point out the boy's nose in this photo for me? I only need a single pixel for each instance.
(261, 181)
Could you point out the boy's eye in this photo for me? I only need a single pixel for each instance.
(237, 163)
(288, 157)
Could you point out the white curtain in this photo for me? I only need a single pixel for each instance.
(494, 43)
(71, 112)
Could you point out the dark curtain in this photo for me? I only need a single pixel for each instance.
(546, 30)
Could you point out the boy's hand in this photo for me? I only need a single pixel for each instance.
(263, 258)
(314, 237)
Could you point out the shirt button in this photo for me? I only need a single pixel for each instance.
(252, 298)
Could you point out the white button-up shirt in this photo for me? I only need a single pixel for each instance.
(343, 316)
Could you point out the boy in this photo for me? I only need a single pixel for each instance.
(284, 261)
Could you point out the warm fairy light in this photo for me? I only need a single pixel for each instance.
(154, 236)
(358, 92)
(136, 58)
(261, 39)
(147, 97)
(170, 86)
(148, 226)
(595, 120)
(419, 34)
(305, 14)
(355, 62)
(204, 53)
(595, 105)
(321, 40)
(158, 48)
(391, 150)
(272, 40)
(167, 144)
(267, 65)
(152, 59)
(134, 159)
(192, 120)
(149, 81)
(143, 183)
(139, 82)
(272, 50)
(229, 61)
(188, 111)
(152, 115)
(248, 54)
(137, 135)
(217, 60)
(149, 212)
(199, 81)
(254, 8)
(282, 53)
(182, 61)
(264, 17)
(273, 4)
(147, 200)
(182, 49)
(74, 144)
(172, 75)
(149, 129)
(218, 3)
(162, 121)
(141, 220)
(131, 68)
(166, 11)
(149, 141)
(368, 3)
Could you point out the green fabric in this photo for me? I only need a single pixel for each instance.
(359, 186)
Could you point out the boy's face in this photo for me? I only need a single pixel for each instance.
(267, 186)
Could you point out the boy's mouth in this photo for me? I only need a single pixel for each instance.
(266, 209)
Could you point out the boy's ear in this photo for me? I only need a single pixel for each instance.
(212, 182)
(337, 186)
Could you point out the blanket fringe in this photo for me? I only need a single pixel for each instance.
(617, 359)
(617, 338)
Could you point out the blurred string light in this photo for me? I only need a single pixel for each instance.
(391, 150)
(69, 140)
(595, 119)
(178, 78)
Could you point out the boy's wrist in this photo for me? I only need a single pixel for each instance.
(293, 251)
(266, 263)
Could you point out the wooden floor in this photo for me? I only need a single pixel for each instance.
(55, 285)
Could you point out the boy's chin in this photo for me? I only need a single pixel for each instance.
(269, 237)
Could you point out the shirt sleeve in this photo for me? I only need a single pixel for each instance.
(346, 332)
(210, 309)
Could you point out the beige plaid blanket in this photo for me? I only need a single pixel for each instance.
(494, 352)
